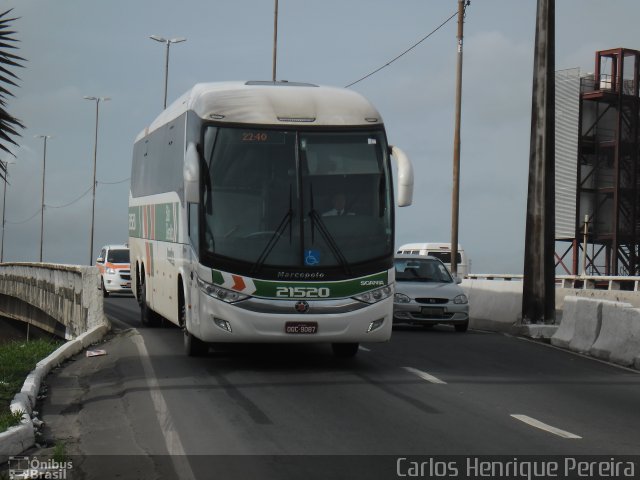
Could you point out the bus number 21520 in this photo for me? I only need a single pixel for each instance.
(302, 292)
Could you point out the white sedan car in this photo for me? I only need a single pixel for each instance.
(427, 294)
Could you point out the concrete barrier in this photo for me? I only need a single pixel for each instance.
(61, 299)
(619, 339)
(493, 305)
(587, 325)
(582, 322)
(567, 328)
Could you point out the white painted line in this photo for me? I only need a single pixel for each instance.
(171, 437)
(543, 426)
(364, 349)
(424, 375)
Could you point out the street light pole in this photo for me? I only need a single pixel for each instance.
(95, 158)
(44, 168)
(4, 204)
(167, 42)
(275, 40)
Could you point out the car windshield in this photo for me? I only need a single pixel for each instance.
(421, 270)
(118, 256)
(286, 198)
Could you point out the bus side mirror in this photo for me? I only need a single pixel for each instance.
(405, 177)
(192, 174)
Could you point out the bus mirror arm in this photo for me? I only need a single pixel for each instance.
(192, 174)
(405, 176)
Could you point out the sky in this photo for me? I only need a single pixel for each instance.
(77, 48)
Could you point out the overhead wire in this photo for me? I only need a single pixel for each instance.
(71, 202)
(405, 52)
(23, 221)
(86, 192)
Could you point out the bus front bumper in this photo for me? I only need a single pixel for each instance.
(275, 321)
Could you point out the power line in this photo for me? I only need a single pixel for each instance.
(73, 201)
(25, 221)
(67, 204)
(405, 52)
(115, 183)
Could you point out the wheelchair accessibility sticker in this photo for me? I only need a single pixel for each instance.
(311, 257)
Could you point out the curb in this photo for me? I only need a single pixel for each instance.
(21, 437)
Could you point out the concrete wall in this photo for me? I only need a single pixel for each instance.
(493, 305)
(601, 328)
(61, 299)
(497, 304)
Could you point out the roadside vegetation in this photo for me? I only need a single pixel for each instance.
(17, 359)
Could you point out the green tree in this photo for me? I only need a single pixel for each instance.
(9, 125)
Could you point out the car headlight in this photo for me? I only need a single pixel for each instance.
(401, 298)
(461, 299)
(374, 296)
(220, 293)
(111, 271)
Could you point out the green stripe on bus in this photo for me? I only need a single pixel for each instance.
(165, 221)
(327, 290)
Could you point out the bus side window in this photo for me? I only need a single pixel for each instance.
(193, 226)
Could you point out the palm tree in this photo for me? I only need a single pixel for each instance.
(8, 123)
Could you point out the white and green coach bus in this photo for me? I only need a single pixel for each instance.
(264, 212)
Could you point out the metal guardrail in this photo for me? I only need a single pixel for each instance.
(578, 282)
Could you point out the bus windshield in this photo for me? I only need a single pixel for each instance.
(297, 199)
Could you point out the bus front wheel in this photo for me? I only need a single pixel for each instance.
(193, 346)
(345, 350)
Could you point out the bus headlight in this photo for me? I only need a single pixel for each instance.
(220, 293)
(374, 296)
(111, 271)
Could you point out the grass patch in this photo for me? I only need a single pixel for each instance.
(9, 419)
(17, 359)
(60, 452)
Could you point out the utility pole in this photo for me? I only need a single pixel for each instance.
(275, 39)
(4, 204)
(167, 42)
(538, 289)
(455, 196)
(44, 168)
(95, 158)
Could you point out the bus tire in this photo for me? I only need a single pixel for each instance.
(148, 317)
(345, 350)
(193, 346)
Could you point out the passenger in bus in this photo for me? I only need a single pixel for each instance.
(339, 206)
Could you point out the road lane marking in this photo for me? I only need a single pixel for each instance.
(167, 426)
(424, 375)
(543, 426)
(364, 349)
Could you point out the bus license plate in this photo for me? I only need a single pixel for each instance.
(303, 328)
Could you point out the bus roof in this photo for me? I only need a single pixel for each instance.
(271, 103)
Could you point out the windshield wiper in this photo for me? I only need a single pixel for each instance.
(273, 240)
(316, 219)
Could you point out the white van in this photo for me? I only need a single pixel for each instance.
(442, 251)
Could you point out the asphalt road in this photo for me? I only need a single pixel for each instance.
(427, 392)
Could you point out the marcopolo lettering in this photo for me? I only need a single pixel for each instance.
(300, 275)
